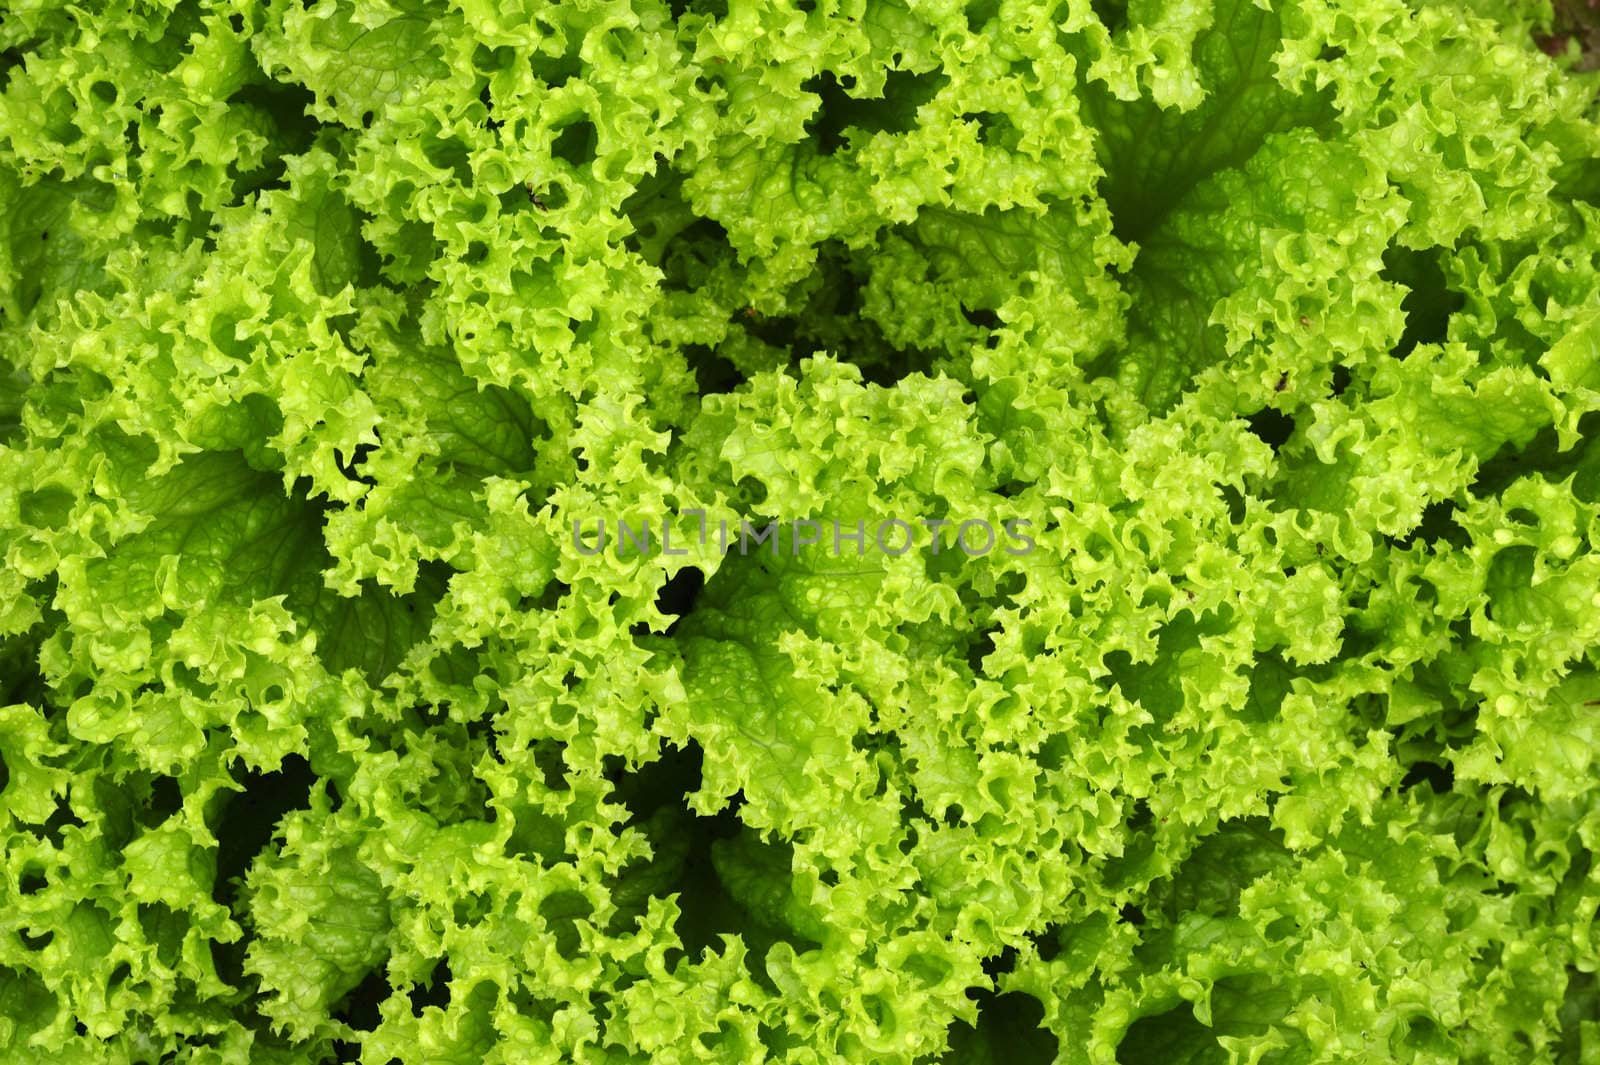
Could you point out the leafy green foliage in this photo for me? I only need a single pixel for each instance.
(322, 322)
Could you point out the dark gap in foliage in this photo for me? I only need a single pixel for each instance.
(664, 783)
(979, 13)
(1156, 686)
(826, 135)
(1429, 301)
(1047, 943)
(470, 908)
(1440, 776)
(1438, 523)
(166, 798)
(228, 961)
(730, 1041)
(1235, 502)
(685, 861)
(552, 197)
(451, 154)
(1113, 14)
(538, 836)
(551, 596)
(12, 58)
(1053, 754)
(831, 318)
(1584, 461)
(576, 143)
(994, 129)
(434, 991)
(693, 252)
(335, 799)
(1271, 426)
(429, 716)
(287, 104)
(677, 596)
(1160, 689)
(562, 910)
(997, 965)
(21, 679)
(15, 385)
(838, 113)
(351, 466)
(56, 824)
(1131, 914)
(1578, 178)
(1422, 1032)
(484, 731)
(163, 928)
(1117, 664)
(1140, 818)
(981, 317)
(548, 755)
(196, 221)
(360, 1007)
(1009, 1029)
(1341, 379)
(1543, 455)
(981, 647)
(707, 911)
(1155, 1040)
(487, 100)
(1356, 642)
(712, 373)
(486, 60)
(1008, 586)
(713, 9)
(657, 212)
(916, 819)
(251, 816)
(556, 71)
(1579, 1004)
(527, 1004)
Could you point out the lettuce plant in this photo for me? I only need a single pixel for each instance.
(322, 323)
